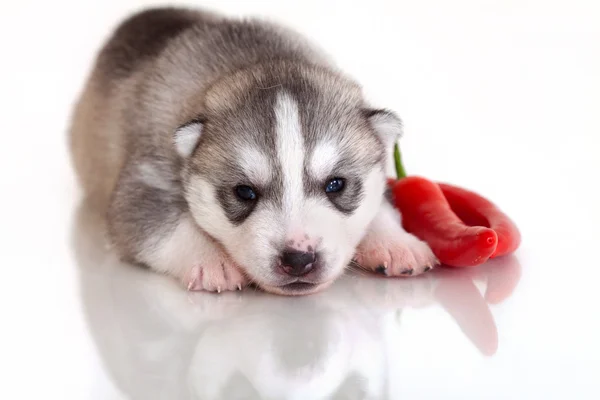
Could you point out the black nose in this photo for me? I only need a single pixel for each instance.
(297, 263)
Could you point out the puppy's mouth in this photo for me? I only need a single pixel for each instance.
(297, 288)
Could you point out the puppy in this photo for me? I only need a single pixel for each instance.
(229, 152)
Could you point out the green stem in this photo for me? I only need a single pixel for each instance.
(400, 172)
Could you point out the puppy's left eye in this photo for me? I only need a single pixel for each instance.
(245, 193)
(335, 185)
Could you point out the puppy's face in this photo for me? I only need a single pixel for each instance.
(287, 177)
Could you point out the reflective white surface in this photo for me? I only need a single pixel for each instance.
(355, 340)
(500, 97)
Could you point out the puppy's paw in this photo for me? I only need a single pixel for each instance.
(194, 258)
(215, 273)
(389, 250)
(404, 255)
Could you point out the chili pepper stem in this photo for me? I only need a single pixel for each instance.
(400, 171)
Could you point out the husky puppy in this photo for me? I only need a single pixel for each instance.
(229, 152)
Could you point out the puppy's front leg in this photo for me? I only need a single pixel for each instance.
(195, 259)
(388, 249)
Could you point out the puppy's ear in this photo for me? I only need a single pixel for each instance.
(386, 123)
(187, 136)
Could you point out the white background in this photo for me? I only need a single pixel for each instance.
(498, 96)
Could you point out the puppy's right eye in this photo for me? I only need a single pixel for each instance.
(245, 193)
(335, 185)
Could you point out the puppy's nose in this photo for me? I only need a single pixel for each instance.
(297, 263)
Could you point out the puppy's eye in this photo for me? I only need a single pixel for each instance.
(245, 193)
(335, 185)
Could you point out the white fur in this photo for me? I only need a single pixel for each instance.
(323, 160)
(290, 147)
(186, 138)
(387, 244)
(390, 164)
(256, 165)
(373, 187)
(194, 258)
(206, 210)
(179, 250)
(388, 126)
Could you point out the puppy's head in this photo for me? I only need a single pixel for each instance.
(285, 168)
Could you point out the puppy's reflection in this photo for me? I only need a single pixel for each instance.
(160, 342)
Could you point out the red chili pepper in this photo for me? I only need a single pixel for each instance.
(475, 210)
(461, 237)
(427, 215)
